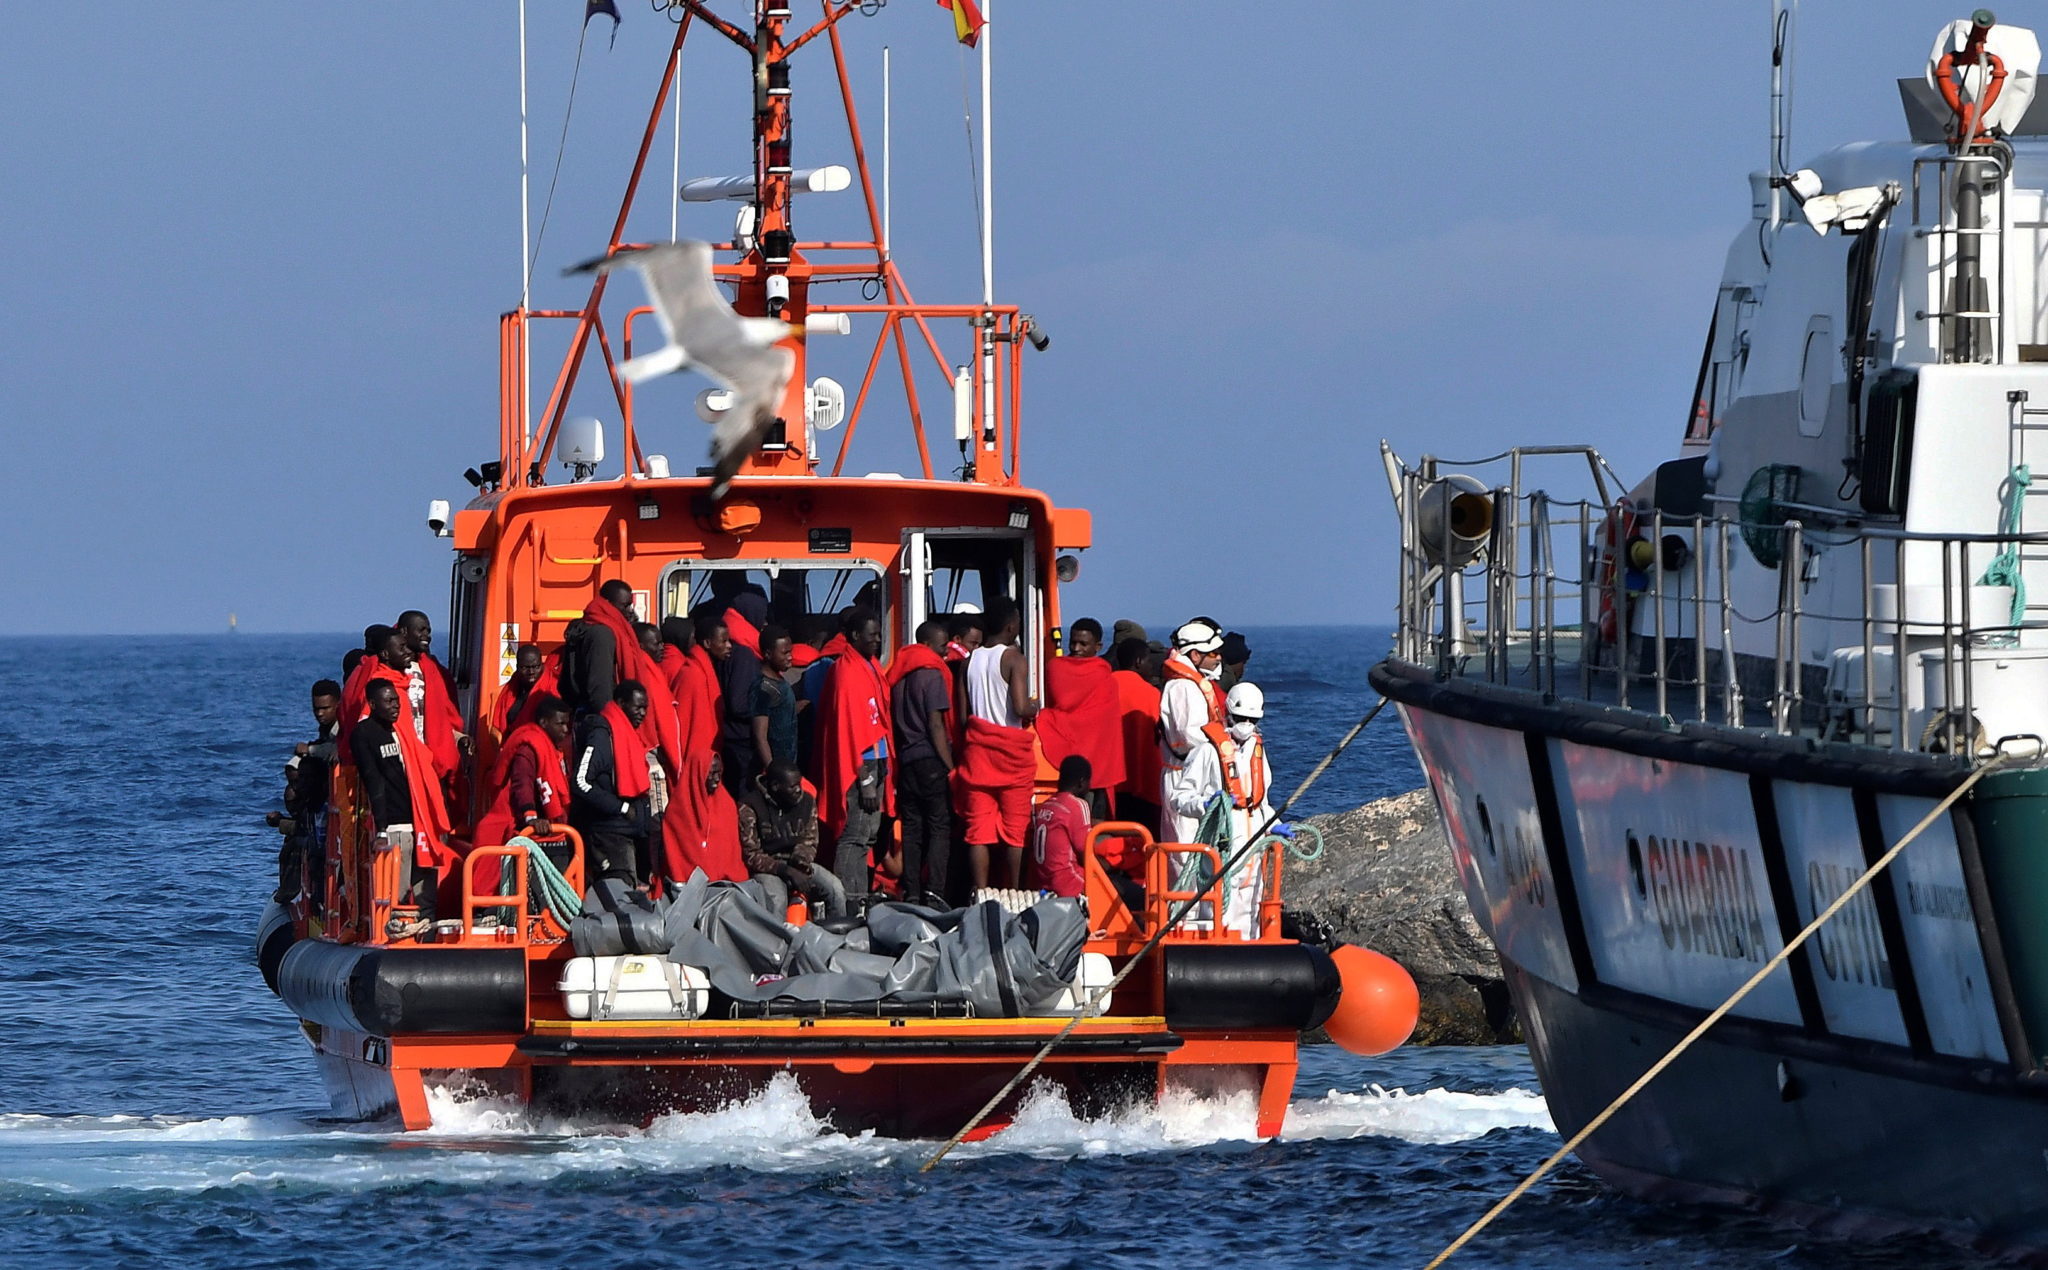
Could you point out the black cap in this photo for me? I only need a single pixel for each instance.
(1235, 649)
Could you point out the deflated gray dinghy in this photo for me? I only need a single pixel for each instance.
(996, 964)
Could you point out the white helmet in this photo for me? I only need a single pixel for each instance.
(1198, 637)
(1245, 702)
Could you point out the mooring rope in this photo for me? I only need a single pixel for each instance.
(1186, 906)
(1841, 901)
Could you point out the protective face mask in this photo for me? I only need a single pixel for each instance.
(1213, 672)
(1243, 730)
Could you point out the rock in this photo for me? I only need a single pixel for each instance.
(1385, 881)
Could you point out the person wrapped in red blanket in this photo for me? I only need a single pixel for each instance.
(432, 695)
(399, 783)
(532, 680)
(700, 829)
(852, 752)
(529, 786)
(1083, 713)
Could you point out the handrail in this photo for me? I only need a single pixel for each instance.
(514, 899)
(1160, 895)
(1903, 650)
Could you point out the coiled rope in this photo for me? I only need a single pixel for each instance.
(1841, 902)
(1186, 906)
(546, 883)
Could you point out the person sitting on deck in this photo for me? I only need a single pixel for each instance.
(997, 760)
(404, 797)
(609, 786)
(1231, 766)
(921, 703)
(852, 748)
(1059, 832)
(779, 841)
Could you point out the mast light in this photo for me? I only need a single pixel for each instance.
(830, 179)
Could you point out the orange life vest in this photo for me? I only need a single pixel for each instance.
(1241, 797)
(1181, 668)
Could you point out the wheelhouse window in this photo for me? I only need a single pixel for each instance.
(796, 589)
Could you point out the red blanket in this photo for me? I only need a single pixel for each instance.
(1138, 702)
(629, 753)
(996, 757)
(632, 662)
(430, 822)
(914, 657)
(853, 716)
(444, 722)
(701, 828)
(1083, 715)
(505, 720)
(699, 702)
(355, 705)
(744, 633)
(497, 826)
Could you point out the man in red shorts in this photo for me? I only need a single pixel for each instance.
(998, 755)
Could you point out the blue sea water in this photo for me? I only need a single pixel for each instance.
(158, 1107)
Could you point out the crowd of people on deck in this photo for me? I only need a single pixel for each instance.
(725, 743)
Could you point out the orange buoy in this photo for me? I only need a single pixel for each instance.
(1379, 1007)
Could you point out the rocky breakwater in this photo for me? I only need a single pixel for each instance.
(1385, 881)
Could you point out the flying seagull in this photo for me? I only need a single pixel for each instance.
(705, 334)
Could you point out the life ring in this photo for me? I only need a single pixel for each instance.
(1616, 532)
(1969, 114)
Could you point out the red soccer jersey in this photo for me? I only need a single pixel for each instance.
(1059, 830)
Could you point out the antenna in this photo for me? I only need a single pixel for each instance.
(1784, 21)
(988, 232)
(887, 238)
(675, 172)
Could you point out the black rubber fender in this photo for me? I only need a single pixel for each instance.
(275, 935)
(1227, 985)
(405, 991)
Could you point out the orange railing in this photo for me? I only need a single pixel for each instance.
(542, 924)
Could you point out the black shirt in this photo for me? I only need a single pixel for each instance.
(375, 747)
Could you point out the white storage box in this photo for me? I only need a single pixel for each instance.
(1093, 973)
(634, 987)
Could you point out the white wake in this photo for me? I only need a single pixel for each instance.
(480, 1139)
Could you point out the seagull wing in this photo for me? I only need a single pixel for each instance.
(706, 334)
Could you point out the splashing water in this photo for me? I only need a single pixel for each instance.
(478, 1139)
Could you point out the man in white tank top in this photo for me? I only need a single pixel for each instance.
(999, 755)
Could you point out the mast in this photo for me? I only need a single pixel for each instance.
(988, 236)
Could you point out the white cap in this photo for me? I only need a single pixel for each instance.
(1198, 637)
(1245, 702)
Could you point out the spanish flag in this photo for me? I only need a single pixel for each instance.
(967, 20)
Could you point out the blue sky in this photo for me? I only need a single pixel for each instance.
(254, 256)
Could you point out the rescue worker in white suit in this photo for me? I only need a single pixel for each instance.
(1231, 764)
(1190, 700)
